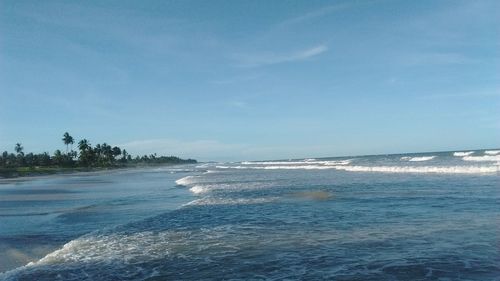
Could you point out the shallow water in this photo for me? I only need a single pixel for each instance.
(39, 215)
(390, 217)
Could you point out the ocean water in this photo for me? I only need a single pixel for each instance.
(430, 216)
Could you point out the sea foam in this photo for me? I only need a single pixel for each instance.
(417, 159)
(384, 169)
(200, 188)
(306, 162)
(113, 255)
(229, 201)
(185, 181)
(461, 154)
(485, 158)
(197, 189)
(492, 152)
(423, 169)
(285, 167)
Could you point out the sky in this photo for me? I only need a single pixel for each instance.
(251, 80)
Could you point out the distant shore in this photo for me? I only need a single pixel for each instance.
(100, 157)
(20, 172)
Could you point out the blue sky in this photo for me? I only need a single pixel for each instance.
(245, 80)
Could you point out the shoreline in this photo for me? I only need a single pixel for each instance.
(31, 249)
(29, 172)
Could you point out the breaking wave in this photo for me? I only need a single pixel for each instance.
(290, 167)
(229, 201)
(492, 152)
(185, 181)
(307, 162)
(461, 154)
(197, 189)
(485, 158)
(235, 186)
(417, 159)
(384, 169)
(117, 256)
(423, 169)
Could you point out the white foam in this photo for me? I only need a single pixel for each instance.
(120, 256)
(384, 169)
(417, 159)
(229, 201)
(340, 162)
(461, 154)
(171, 170)
(116, 252)
(306, 162)
(230, 187)
(197, 189)
(492, 152)
(185, 181)
(485, 158)
(286, 167)
(299, 167)
(273, 163)
(423, 169)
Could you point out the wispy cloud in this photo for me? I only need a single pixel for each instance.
(314, 14)
(256, 60)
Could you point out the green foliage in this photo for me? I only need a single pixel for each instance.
(19, 149)
(101, 155)
(67, 139)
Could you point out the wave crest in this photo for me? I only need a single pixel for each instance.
(185, 181)
(417, 159)
(384, 169)
(306, 162)
(485, 158)
(423, 169)
(229, 201)
(464, 153)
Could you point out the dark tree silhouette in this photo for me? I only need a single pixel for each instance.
(67, 139)
(19, 149)
(102, 155)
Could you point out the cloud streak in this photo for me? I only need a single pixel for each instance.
(257, 60)
(318, 13)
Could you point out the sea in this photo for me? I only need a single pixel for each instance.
(426, 216)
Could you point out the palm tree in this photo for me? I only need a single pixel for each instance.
(58, 158)
(83, 145)
(116, 151)
(67, 139)
(85, 152)
(20, 155)
(19, 149)
(124, 153)
(107, 152)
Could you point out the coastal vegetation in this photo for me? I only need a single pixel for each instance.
(87, 157)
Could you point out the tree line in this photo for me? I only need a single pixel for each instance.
(100, 155)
